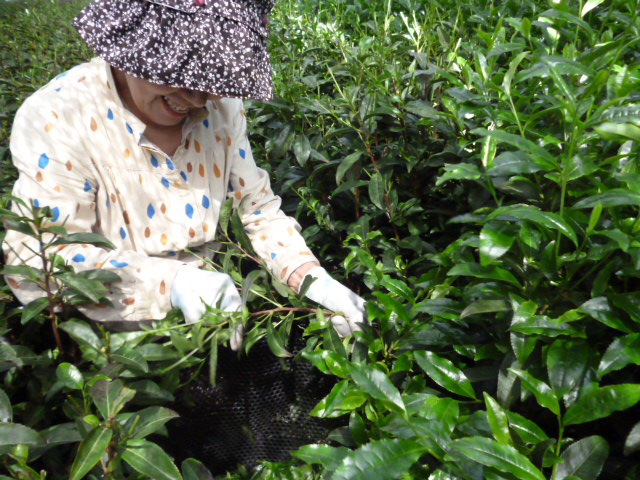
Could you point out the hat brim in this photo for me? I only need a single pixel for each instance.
(198, 51)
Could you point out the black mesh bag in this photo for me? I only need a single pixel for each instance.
(258, 410)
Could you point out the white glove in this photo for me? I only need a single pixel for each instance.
(334, 296)
(193, 288)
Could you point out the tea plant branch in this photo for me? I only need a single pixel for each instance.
(288, 309)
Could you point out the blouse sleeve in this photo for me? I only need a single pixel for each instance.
(274, 236)
(55, 171)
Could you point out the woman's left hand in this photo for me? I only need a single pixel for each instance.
(334, 296)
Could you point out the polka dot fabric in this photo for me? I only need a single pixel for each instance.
(97, 171)
(216, 46)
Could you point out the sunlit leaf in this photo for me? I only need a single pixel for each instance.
(602, 402)
(90, 451)
(583, 459)
(445, 373)
(376, 384)
(502, 457)
(110, 396)
(149, 459)
(623, 351)
(382, 459)
(70, 376)
(17, 434)
(543, 393)
(533, 214)
(498, 420)
(193, 469)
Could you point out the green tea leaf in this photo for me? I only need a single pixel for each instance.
(537, 216)
(376, 384)
(567, 364)
(526, 429)
(485, 306)
(84, 237)
(583, 459)
(17, 434)
(346, 164)
(329, 457)
(225, 216)
(130, 358)
(213, 359)
(602, 402)
(594, 218)
(498, 420)
(377, 190)
(513, 66)
(618, 131)
(632, 443)
(342, 399)
(61, 434)
(495, 241)
(459, 171)
(301, 149)
(110, 396)
(611, 198)
(382, 459)
(475, 270)
(600, 309)
(276, 341)
(83, 286)
(239, 231)
(512, 163)
(537, 153)
(82, 333)
(149, 459)
(249, 280)
(586, 8)
(193, 469)
(543, 393)
(151, 391)
(6, 411)
(504, 458)
(90, 451)
(445, 373)
(70, 376)
(33, 309)
(150, 420)
(623, 351)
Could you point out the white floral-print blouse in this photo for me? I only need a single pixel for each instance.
(81, 152)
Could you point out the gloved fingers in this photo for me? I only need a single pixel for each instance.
(229, 298)
(237, 337)
(193, 311)
(344, 326)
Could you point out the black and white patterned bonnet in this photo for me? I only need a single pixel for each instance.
(215, 46)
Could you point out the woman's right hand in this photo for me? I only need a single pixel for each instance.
(193, 288)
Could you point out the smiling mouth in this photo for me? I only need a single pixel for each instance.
(176, 108)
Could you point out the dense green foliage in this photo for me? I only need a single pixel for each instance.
(471, 170)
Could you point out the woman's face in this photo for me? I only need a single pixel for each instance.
(158, 105)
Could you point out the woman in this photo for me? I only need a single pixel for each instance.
(143, 145)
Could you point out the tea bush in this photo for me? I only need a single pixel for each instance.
(472, 171)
